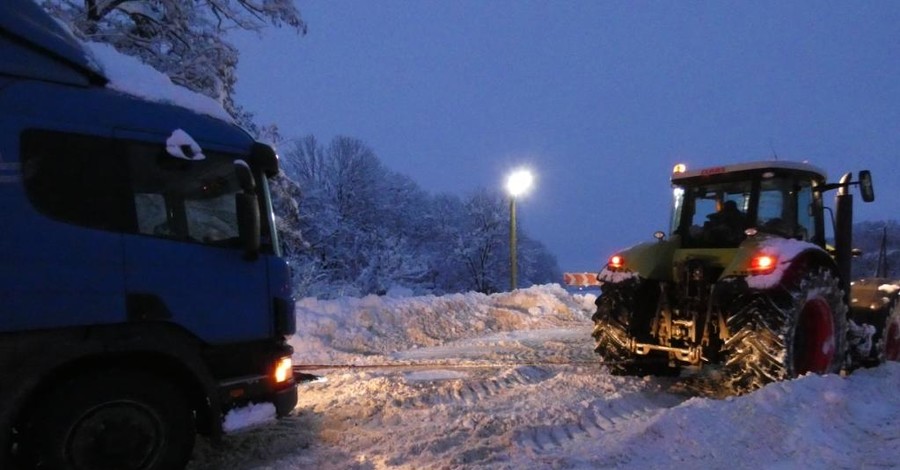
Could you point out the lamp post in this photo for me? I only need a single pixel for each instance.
(517, 183)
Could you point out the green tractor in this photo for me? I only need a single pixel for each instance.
(746, 283)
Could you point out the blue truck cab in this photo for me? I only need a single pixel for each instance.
(142, 292)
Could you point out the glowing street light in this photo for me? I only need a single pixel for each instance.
(517, 184)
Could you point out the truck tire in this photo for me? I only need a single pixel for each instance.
(889, 343)
(117, 419)
(788, 331)
(624, 312)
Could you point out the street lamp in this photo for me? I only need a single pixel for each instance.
(517, 183)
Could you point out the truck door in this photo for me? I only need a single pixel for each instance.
(185, 264)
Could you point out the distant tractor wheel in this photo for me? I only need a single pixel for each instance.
(787, 332)
(116, 420)
(610, 329)
(624, 313)
(889, 344)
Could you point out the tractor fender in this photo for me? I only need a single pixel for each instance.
(787, 256)
(650, 260)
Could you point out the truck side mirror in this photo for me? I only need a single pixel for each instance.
(247, 207)
(865, 186)
(244, 176)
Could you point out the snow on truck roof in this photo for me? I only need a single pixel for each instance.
(36, 46)
(30, 25)
(681, 172)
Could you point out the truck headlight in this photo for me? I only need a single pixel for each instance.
(284, 370)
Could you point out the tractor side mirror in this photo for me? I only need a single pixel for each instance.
(865, 186)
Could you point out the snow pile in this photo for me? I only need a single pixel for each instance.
(366, 330)
(811, 422)
(888, 288)
(249, 416)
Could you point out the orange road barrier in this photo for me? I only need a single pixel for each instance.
(581, 279)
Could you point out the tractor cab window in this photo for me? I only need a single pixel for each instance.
(784, 207)
(714, 215)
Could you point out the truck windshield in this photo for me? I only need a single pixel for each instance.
(188, 200)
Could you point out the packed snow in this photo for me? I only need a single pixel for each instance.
(510, 381)
(180, 141)
(131, 76)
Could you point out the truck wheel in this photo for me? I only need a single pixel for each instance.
(787, 332)
(625, 312)
(889, 344)
(115, 420)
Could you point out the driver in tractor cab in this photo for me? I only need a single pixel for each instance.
(726, 227)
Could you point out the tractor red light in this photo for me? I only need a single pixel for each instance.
(616, 262)
(763, 264)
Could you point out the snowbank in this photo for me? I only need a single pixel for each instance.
(365, 330)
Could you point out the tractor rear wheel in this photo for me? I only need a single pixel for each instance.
(610, 332)
(624, 313)
(796, 328)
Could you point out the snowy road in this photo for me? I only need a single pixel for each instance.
(470, 414)
(529, 394)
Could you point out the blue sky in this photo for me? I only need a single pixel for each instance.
(600, 99)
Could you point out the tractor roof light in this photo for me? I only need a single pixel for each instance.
(616, 262)
(679, 168)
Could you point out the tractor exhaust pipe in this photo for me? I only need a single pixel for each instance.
(843, 232)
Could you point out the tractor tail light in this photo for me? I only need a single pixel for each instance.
(763, 264)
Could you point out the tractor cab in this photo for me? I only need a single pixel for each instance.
(716, 207)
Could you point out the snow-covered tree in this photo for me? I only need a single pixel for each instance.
(481, 244)
(183, 39)
(366, 229)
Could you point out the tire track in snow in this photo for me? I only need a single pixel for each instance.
(601, 417)
(469, 391)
